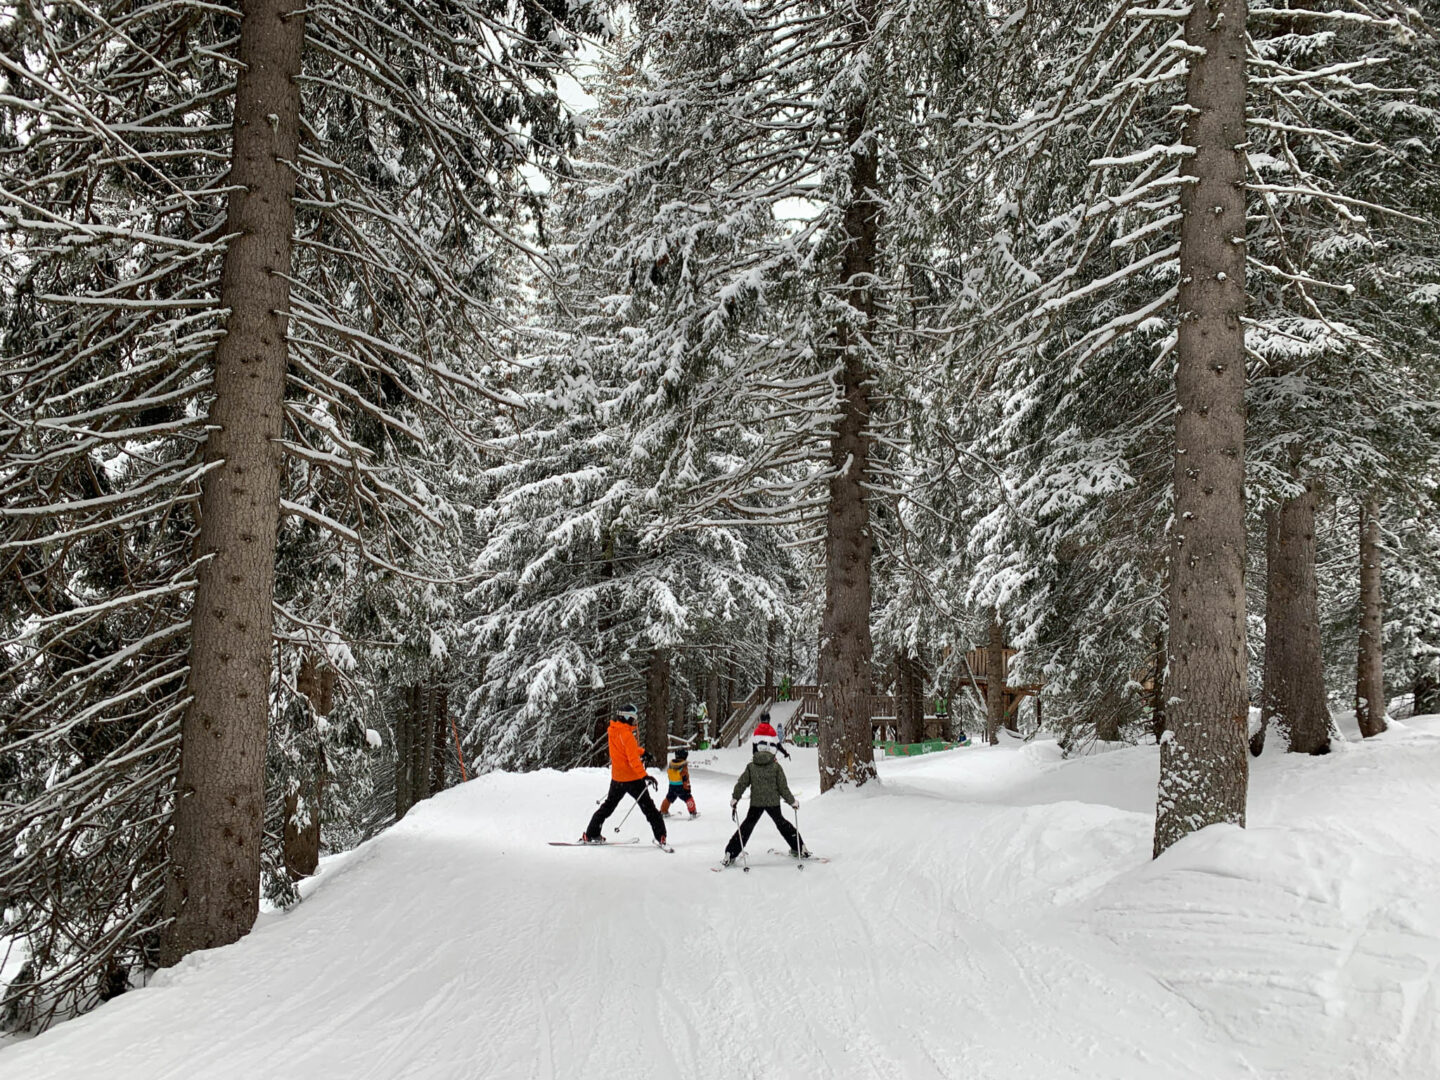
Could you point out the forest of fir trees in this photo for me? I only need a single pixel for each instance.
(390, 391)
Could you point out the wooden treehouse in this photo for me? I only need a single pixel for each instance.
(978, 661)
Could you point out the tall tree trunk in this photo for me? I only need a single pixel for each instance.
(404, 728)
(300, 840)
(904, 722)
(424, 743)
(440, 751)
(912, 694)
(994, 683)
(422, 740)
(1293, 692)
(846, 750)
(1157, 689)
(212, 888)
(1204, 769)
(657, 706)
(599, 745)
(1370, 699)
(728, 695)
(301, 837)
(678, 698)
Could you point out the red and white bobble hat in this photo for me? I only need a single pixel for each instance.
(764, 738)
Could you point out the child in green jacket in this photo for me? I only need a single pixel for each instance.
(768, 789)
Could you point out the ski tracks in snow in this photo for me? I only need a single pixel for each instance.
(994, 916)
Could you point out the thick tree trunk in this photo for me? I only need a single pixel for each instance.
(212, 889)
(657, 706)
(1292, 697)
(1370, 699)
(846, 650)
(1204, 769)
(994, 683)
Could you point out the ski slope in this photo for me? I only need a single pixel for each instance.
(990, 914)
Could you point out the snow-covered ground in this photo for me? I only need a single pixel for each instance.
(988, 914)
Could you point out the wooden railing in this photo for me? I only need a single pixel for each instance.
(741, 713)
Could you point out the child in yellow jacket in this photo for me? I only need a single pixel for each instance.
(678, 774)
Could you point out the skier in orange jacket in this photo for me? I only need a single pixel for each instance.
(627, 777)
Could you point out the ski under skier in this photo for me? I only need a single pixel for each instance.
(678, 773)
(627, 777)
(768, 789)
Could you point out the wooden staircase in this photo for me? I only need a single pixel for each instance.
(741, 715)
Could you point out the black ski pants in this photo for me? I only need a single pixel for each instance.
(637, 790)
(742, 834)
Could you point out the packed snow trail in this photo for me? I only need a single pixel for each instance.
(989, 914)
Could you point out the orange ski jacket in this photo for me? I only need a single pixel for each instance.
(625, 763)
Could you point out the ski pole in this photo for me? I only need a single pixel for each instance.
(626, 818)
(744, 855)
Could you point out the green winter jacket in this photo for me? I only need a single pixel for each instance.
(766, 781)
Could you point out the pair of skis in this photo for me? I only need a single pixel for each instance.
(800, 861)
(610, 843)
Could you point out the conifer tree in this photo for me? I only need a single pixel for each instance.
(407, 183)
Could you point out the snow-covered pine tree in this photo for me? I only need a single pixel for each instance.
(743, 220)
(112, 211)
(412, 129)
(579, 586)
(1333, 399)
(1097, 258)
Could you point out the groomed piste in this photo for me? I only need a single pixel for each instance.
(989, 914)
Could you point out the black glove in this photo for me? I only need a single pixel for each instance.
(652, 782)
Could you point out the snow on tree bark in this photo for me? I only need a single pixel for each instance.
(1204, 770)
(845, 746)
(212, 888)
(994, 682)
(1293, 694)
(1370, 699)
